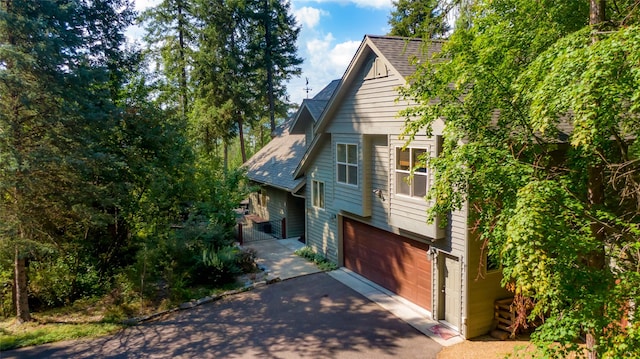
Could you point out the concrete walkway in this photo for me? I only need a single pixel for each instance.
(412, 314)
(277, 257)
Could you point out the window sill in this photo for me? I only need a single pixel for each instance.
(347, 184)
(404, 197)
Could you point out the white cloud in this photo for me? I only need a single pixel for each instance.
(325, 57)
(324, 61)
(309, 16)
(318, 47)
(376, 4)
(341, 54)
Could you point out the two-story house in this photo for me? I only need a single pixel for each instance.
(281, 195)
(365, 209)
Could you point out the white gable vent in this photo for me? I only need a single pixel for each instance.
(378, 69)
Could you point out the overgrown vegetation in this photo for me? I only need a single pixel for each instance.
(109, 192)
(317, 258)
(540, 101)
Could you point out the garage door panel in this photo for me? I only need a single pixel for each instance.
(392, 261)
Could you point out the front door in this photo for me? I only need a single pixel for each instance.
(450, 286)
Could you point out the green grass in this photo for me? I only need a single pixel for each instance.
(17, 336)
(88, 318)
(317, 258)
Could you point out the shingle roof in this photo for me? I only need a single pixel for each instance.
(326, 93)
(318, 103)
(316, 107)
(275, 163)
(400, 51)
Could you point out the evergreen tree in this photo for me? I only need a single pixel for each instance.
(56, 63)
(224, 95)
(424, 19)
(172, 32)
(274, 51)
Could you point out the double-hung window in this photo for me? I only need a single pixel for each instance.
(412, 177)
(317, 194)
(347, 163)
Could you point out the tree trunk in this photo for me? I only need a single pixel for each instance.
(243, 151)
(183, 64)
(261, 136)
(597, 12)
(269, 65)
(595, 259)
(225, 155)
(22, 295)
(595, 189)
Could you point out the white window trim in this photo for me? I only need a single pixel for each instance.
(411, 172)
(347, 164)
(315, 183)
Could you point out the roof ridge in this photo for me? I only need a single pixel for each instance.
(393, 37)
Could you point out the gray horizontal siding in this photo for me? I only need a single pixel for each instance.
(269, 203)
(377, 154)
(276, 204)
(322, 231)
(459, 230)
(369, 106)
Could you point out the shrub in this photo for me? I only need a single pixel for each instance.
(246, 260)
(58, 281)
(317, 258)
(219, 266)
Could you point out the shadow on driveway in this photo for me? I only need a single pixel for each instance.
(312, 316)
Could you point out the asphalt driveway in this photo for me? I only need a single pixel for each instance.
(312, 316)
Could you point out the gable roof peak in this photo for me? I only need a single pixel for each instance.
(399, 51)
(404, 38)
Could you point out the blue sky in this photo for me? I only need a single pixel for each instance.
(331, 33)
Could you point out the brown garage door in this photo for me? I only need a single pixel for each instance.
(392, 261)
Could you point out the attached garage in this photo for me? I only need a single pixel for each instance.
(397, 263)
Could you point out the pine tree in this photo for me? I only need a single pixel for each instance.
(171, 33)
(54, 88)
(424, 19)
(274, 51)
(224, 86)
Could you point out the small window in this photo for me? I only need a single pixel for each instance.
(492, 262)
(412, 178)
(347, 163)
(317, 194)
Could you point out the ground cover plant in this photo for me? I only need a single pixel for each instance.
(318, 259)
